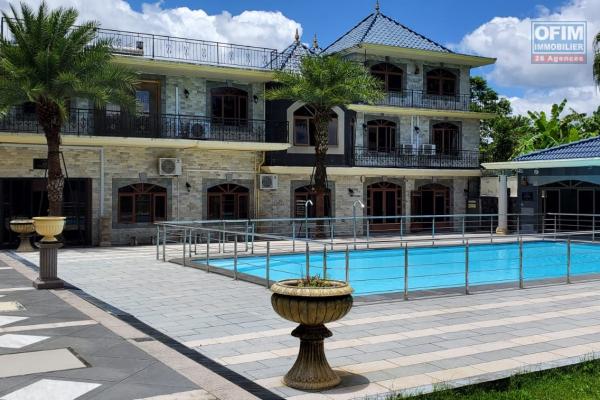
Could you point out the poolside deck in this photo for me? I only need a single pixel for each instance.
(381, 346)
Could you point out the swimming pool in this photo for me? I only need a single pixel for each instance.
(382, 270)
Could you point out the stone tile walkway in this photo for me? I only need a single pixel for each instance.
(50, 350)
(379, 347)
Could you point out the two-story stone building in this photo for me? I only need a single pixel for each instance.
(204, 141)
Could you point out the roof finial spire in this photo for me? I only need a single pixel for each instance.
(315, 42)
(297, 36)
(377, 6)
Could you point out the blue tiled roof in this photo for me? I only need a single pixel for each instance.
(290, 57)
(380, 29)
(586, 148)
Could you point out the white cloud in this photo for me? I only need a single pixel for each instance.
(269, 29)
(509, 38)
(581, 99)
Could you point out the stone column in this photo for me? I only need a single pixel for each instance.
(48, 278)
(502, 228)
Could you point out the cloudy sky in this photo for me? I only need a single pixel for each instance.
(498, 29)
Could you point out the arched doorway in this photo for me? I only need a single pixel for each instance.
(229, 106)
(430, 200)
(228, 201)
(390, 76)
(446, 138)
(441, 82)
(381, 135)
(384, 199)
(304, 193)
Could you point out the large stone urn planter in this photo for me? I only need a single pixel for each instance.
(25, 229)
(49, 227)
(311, 307)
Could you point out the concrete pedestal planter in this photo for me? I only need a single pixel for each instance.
(25, 229)
(49, 227)
(311, 307)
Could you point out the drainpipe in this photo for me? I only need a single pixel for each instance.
(256, 189)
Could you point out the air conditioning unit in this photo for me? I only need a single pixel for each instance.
(268, 182)
(169, 166)
(407, 149)
(428, 149)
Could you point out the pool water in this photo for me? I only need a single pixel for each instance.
(382, 270)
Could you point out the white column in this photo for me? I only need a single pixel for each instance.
(502, 228)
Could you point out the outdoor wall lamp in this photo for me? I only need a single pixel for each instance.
(186, 93)
(188, 187)
(255, 98)
(417, 70)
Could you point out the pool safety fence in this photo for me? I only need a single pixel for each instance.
(404, 256)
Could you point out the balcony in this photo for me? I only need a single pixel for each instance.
(163, 126)
(193, 51)
(408, 157)
(420, 99)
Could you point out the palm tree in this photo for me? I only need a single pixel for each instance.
(324, 82)
(596, 67)
(47, 60)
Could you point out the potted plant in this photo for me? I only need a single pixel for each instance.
(311, 302)
(49, 227)
(24, 227)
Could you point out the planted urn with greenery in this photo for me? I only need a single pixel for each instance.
(311, 302)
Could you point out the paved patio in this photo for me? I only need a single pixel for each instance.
(379, 347)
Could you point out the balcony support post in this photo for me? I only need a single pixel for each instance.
(502, 228)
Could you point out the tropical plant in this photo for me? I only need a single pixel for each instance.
(545, 131)
(47, 60)
(324, 82)
(499, 136)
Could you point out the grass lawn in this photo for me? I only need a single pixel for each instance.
(577, 382)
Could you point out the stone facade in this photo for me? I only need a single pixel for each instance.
(123, 166)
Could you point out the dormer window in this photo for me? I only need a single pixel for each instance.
(441, 82)
(390, 75)
(305, 129)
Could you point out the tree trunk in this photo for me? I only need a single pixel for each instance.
(50, 120)
(322, 119)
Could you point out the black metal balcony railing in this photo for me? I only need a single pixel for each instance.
(182, 49)
(170, 126)
(415, 158)
(420, 99)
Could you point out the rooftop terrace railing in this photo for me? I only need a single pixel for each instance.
(410, 157)
(84, 122)
(161, 47)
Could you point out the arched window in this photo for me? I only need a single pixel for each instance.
(384, 199)
(390, 75)
(229, 106)
(142, 203)
(381, 135)
(304, 193)
(445, 136)
(304, 127)
(228, 201)
(441, 82)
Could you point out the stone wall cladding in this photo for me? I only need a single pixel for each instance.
(124, 164)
